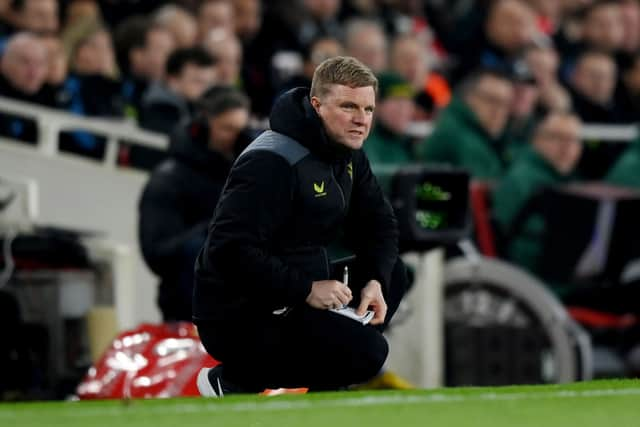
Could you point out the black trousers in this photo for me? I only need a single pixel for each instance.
(307, 347)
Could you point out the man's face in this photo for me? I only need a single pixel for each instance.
(491, 102)
(370, 47)
(225, 128)
(604, 28)
(511, 25)
(595, 78)
(631, 25)
(57, 60)
(408, 60)
(26, 66)
(39, 16)
(95, 55)
(559, 142)
(184, 28)
(215, 15)
(543, 64)
(247, 18)
(396, 113)
(193, 81)
(525, 99)
(153, 60)
(228, 52)
(346, 113)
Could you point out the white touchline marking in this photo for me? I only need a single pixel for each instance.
(74, 409)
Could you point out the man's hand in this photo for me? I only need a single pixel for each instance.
(371, 296)
(326, 294)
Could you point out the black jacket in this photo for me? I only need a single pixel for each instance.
(20, 127)
(176, 205)
(289, 195)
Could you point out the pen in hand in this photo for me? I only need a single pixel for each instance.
(345, 280)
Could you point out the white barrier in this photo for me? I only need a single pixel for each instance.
(51, 122)
(79, 193)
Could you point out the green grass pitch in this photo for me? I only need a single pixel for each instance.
(598, 403)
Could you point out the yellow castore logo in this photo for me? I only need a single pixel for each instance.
(350, 170)
(319, 189)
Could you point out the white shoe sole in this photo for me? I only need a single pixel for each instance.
(204, 386)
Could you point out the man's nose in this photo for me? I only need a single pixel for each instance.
(359, 117)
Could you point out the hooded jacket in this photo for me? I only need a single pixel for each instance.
(459, 139)
(290, 195)
(176, 205)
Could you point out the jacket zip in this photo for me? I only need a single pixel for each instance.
(344, 200)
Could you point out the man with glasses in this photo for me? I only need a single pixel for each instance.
(550, 160)
(467, 133)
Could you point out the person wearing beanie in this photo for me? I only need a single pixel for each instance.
(388, 146)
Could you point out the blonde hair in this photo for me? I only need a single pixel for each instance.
(341, 70)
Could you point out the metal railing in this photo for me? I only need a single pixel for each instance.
(51, 123)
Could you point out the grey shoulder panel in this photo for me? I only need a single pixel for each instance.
(288, 148)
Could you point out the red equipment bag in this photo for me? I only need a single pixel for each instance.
(149, 361)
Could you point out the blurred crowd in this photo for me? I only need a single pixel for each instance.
(506, 84)
(149, 61)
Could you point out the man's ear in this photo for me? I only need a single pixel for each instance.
(315, 103)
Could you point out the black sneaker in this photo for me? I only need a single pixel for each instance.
(211, 384)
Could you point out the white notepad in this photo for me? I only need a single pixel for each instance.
(350, 312)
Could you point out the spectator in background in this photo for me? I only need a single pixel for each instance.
(295, 25)
(58, 64)
(179, 22)
(366, 41)
(388, 146)
(23, 75)
(24, 68)
(411, 59)
(592, 87)
(467, 133)
(523, 116)
(215, 15)
(625, 171)
(178, 201)
(81, 10)
(510, 27)
(543, 61)
(551, 159)
(93, 82)
(631, 25)
(628, 90)
(142, 49)
(257, 52)
(190, 71)
(319, 50)
(225, 47)
(37, 16)
(320, 18)
(603, 26)
(91, 87)
(247, 19)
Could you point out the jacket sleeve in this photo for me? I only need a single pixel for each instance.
(165, 237)
(371, 224)
(255, 204)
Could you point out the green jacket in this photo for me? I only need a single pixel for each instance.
(387, 152)
(626, 171)
(515, 140)
(529, 174)
(460, 140)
